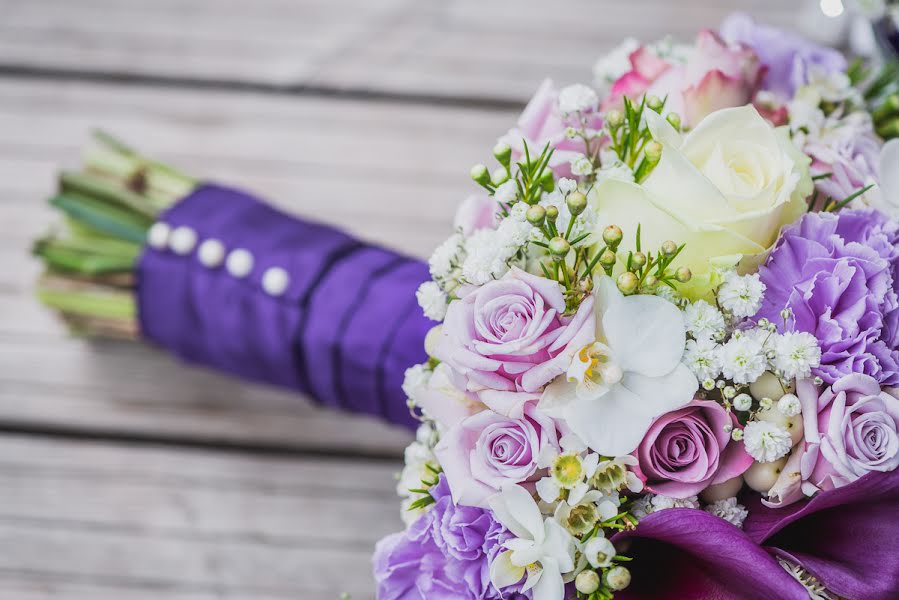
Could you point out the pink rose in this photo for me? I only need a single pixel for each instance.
(542, 122)
(850, 431)
(488, 450)
(444, 399)
(687, 450)
(512, 335)
(476, 212)
(715, 76)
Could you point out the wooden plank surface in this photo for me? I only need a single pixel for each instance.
(95, 520)
(374, 168)
(467, 49)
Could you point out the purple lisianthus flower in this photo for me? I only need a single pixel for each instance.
(848, 151)
(789, 57)
(444, 555)
(835, 273)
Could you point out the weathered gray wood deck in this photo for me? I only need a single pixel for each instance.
(126, 475)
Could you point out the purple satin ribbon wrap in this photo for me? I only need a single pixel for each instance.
(343, 332)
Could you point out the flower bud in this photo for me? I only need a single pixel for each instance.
(499, 176)
(503, 153)
(612, 236)
(653, 152)
(638, 260)
(535, 215)
(674, 120)
(559, 246)
(650, 282)
(547, 182)
(432, 339)
(654, 102)
(743, 402)
(607, 258)
(617, 578)
(683, 275)
(614, 119)
(577, 203)
(668, 248)
(587, 582)
(480, 174)
(552, 213)
(627, 283)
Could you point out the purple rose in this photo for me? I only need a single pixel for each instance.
(512, 334)
(687, 450)
(835, 272)
(488, 450)
(444, 555)
(789, 57)
(850, 431)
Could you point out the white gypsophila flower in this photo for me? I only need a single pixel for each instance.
(660, 502)
(432, 300)
(487, 255)
(703, 320)
(585, 222)
(581, 165)
(514, 230)
(612, 65)
(577, 98)
(831, 86)
(566, 185)
(642, 507)
(445, 256)
(743, 359)
(765, 441)
(729, 510)
(671, 50)
(741, 294)
(703, 358)
(615, 170)
(506, 193)
(417, 458)
(764, 337)
(742, 402)
(796, 354)
(789, 405)
(415, 379)
(668, 293)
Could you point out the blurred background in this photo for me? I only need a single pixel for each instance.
(126, 475)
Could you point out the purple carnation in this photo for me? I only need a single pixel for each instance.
(445, 554)
(835, 272)
(788, 57)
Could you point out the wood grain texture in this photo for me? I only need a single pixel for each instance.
(452, 48)
(127, 521)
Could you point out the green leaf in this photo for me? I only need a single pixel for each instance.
(109, 218)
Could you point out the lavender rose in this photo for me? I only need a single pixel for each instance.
(444, 555)
(836, 274)
(850, 431)
(687, 450)
(512, 335)
(488, 450)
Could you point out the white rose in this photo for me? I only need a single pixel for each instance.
(725, 190)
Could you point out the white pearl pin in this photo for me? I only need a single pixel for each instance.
(211, 253)
(275, 281)
(183, 240)
(158, 235)
(239, 263)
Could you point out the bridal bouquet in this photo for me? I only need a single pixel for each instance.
(667, 357)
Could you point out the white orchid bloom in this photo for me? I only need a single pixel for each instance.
(885, 197)
(542, 548)
(634, 374)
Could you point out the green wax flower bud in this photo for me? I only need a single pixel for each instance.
(654, 103)
(499, 176)
(651, 282)
(586, 582)
(612, 236)
(480, 174)
(638, 259)
(559, 246)
(674, 120)
(546, 181)
(653, 151)
(503, 153)
(627, 283)
(614, 119)
(577, 203)
(668, 248)
(683, 275)
(552, 213)
(535, 215)
(607, 258)
(617, 578)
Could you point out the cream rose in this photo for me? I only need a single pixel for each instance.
(724, 189)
